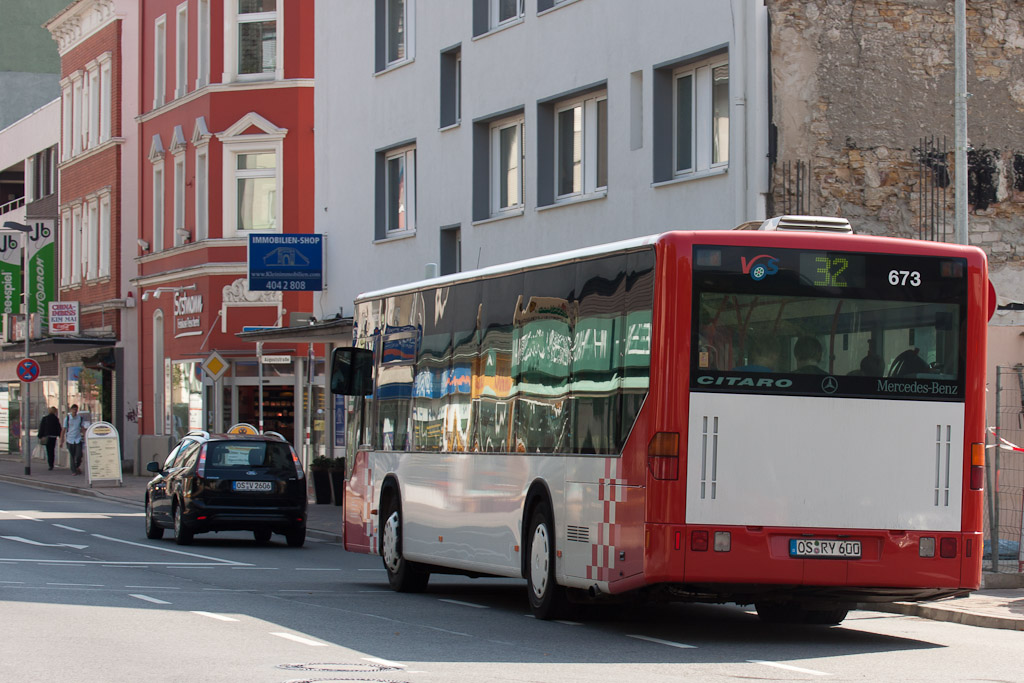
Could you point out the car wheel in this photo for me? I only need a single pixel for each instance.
(296, 537)
(262, 536)
(153, 530)
(182, 534)
(403, 576)
(547, 598)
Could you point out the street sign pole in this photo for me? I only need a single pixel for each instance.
(25, 401)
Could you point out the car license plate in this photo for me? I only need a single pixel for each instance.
(253, 486)
(818, 547)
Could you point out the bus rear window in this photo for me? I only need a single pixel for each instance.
(781, 331)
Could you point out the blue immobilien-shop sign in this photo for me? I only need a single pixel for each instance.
(286, 263)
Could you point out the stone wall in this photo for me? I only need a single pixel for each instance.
(858, 85)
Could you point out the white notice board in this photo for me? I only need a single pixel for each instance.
(103, 453)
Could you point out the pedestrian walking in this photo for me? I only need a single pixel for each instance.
(49, 431)
(72, 434)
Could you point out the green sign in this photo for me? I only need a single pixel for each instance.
(10, 273)
(42, 269)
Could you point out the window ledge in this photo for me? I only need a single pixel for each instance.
(515, 213)
(501, 27)
(450, 126)
(580, 199)
(396, 236)
(710, 173)
(556, 6)
(394, 66)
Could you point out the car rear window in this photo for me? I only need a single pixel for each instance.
(247, 454)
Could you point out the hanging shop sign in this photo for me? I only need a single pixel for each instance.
(63, 317)
(10, 273)
(42, 268)
(188, 314)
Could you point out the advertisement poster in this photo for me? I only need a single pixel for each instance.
(42, 269)
(10, 273)
(103, 452)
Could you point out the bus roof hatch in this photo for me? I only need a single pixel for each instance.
(802, 223)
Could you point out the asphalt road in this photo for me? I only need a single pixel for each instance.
(84, 596)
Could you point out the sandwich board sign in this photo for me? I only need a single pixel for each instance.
(103, 453)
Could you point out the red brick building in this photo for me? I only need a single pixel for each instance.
(226, 135)
(97, 366)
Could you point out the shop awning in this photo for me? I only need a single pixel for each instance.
(59, 345)
(337, 331)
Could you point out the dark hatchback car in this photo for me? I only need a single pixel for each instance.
(228, 482)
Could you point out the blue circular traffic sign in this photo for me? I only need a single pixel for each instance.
(28, 370)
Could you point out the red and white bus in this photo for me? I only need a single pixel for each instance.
(790, 417)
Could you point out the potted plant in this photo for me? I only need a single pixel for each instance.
(337, 473)
(319, 470)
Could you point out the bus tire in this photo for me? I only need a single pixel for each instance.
(403, 576)
(547, 598)
(825, 617)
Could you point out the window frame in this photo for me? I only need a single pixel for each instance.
(202, 185)
(158, 206)
(203, 34)
(181, 50)
(407, 156)
(90, 238)
(700, 118)
(179, 198)
(385, 61)
(591, 148)
(104, 236)
(232, 42)
(160, 61)
(495, 22)
(231, 228)
(494, 142)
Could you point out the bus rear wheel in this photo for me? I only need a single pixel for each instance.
(547, 598)
(403, 576)
(792, 612)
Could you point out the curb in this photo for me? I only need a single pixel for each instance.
(326, 536)
(938, 613)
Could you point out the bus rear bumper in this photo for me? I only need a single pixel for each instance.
(893, 564)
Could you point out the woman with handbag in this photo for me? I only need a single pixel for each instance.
(49, 430)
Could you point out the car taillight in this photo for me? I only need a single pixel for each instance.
(298, 466)
(663, 456)
(977, 466)
(201, 467)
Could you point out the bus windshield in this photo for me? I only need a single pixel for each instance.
(871, 328)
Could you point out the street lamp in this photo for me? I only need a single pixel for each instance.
(26, 403)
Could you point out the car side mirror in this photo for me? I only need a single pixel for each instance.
(352, 371)
(153, 467)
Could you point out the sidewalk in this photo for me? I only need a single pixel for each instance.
(999, 604)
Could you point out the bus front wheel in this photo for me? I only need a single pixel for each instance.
(547, 598)
(403, 576)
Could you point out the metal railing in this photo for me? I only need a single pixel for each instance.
(12, 205)
(1005, 465)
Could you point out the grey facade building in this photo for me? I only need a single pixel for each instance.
(29, 65)
(466, 134)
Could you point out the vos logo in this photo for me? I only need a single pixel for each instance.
(760, 266)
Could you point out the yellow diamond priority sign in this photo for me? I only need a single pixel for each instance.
(215, 366)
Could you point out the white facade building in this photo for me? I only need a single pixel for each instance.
(468, 134)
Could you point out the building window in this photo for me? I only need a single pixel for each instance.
(76, 120)
(489, 15)
(202, 195)
(180, 233)
(103, 243)
(451, 86)
(159, 61)
(91, 240)
(66, 232)
(158, 206)
(181, 51)
(400, 190)
(67, 127)
(106, 98)
(203, 44)
(581, 144)
(394, 29)
(158, 372)
(76, 245)
(91, 133)
(256, 191)
(451, 250)
(507, 166)
(691, 118)
(43, 173)
(257, 36)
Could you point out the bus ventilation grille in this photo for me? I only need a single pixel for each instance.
(580, 534)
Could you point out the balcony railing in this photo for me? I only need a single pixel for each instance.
(12, 205)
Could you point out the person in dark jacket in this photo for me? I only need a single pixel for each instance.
(49, 430)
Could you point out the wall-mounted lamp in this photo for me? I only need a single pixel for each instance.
(155, 293)
(143, 244)
(183, 235)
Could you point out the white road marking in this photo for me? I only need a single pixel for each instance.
(169, 550)
(232, 590)
(219, 617)
(14, 582)
(568, 623)
(385, 662)
(70, 528)
(788, 667)
(317, 569)
(19, 539)
(78, 585)
(299, 639)
(30, 518)
(464, 604)
(370, 570)
(156, 588)
(659, 641)
(272, 569)
(155, 601)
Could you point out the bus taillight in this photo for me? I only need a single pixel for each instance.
(663, 456)
(977, 466)
(947, 547)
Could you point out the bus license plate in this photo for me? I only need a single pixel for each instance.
(816, 547)
(254, 486)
